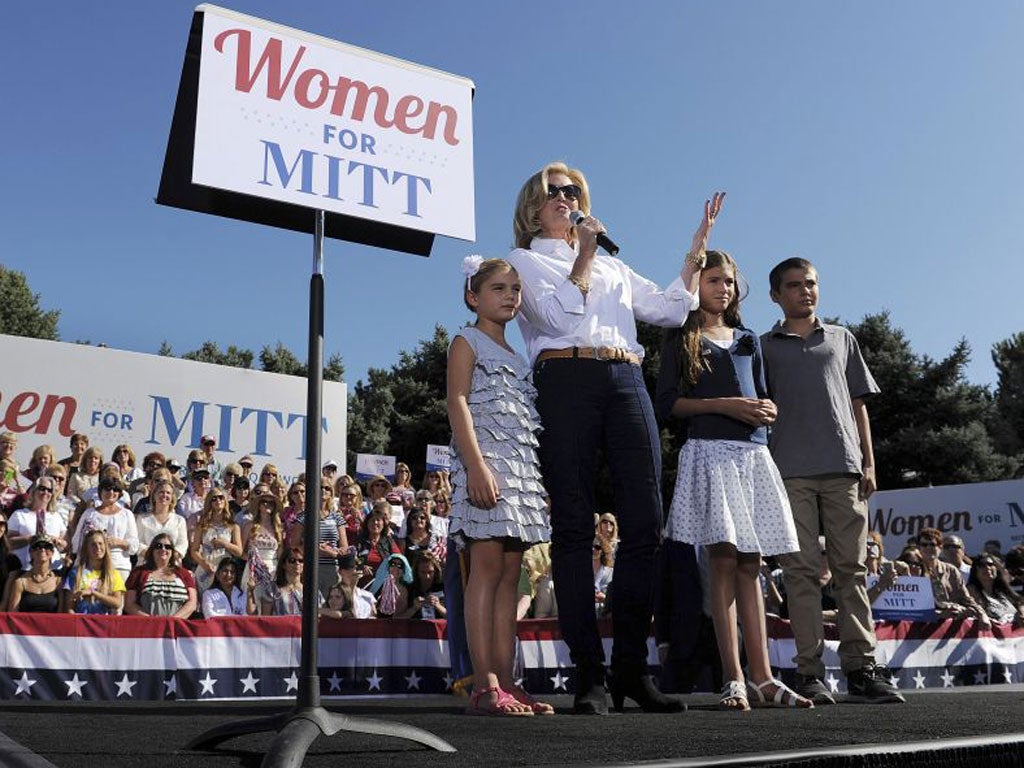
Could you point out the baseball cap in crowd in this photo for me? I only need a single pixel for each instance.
(173, 464)
(246, 462)
(42, 539)
(208, 440)
(200, 473)
(330, 463)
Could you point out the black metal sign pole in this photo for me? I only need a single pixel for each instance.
(298, 729)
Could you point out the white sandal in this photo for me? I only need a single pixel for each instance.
(733, 691)
(784, 697)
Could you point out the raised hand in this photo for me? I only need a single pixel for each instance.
(712, 208)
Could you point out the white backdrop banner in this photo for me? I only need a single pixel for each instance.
(976, 512)
(370, 464)
(438, 458)
(298, 118)
(155, 403)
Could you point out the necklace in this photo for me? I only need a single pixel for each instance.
(40, 578)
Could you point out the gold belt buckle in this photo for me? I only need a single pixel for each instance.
(613, 354)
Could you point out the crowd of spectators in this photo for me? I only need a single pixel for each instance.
(158, 538)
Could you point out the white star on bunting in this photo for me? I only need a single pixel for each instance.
(124, 686)
(335, 681)
(292, 682)
(980, 678)
(413, 680)
(919, 680)
(559, 681)
(833, 683)
(24, 685)
(75, 686)
(448, 680)
(207, 683)
(947, 679)
(1008, 675)
(171, 686)
(248, 682)
(374, 680)
(894, 680)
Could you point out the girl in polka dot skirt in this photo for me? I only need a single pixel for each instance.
(729, 497)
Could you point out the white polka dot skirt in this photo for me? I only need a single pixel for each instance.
(731, 492)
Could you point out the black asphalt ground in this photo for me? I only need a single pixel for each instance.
(101, 735)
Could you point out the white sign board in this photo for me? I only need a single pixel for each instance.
(155, 403)
(369, 465)
(301, 119)
(438, 458)
(976, 512)
(911, 598)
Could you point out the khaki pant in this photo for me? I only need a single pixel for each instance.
(831, 502)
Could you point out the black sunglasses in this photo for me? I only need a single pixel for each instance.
(571, 191)
(160, 546)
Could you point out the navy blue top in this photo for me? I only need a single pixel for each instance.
(735, 372)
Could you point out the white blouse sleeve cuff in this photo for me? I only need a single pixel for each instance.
(571, 299)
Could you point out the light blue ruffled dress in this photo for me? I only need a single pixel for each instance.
(506, 424)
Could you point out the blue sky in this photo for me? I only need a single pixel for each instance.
(881, 140)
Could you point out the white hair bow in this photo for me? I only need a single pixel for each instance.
(470, 266)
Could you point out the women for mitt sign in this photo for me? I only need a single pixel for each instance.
(304, 122)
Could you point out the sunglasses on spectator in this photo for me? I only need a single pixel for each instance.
(42, 545)
(195, 461)
(571, 191)
(293, 560)
(161, 547)
(44, 489)
(106, 488)
(952, 546)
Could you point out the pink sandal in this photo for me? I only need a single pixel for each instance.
(536, 706)
(505, 705)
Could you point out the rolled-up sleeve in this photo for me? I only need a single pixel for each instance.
(552, 304)
(667, 308)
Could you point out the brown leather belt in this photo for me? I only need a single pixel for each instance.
(607, 354)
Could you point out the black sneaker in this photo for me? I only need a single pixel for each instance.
(812, 688)
(872, 685)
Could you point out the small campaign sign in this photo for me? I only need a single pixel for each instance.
(370, 464)
(910, 597)
(438, 458)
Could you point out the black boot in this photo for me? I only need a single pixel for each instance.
(629, 679)
(590, 694)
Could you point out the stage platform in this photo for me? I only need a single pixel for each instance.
(152, 734)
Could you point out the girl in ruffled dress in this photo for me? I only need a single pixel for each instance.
(729, 496)
(498, 503)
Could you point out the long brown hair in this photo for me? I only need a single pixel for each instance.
(691, 359)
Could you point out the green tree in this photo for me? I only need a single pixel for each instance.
(930, 425)
(20, 313)
(1008, 424)
(402, 410)
(280, 359)
(209, 352)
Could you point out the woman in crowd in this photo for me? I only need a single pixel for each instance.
(607, 533)
(93, 585)
(161, 586)
(88, 474)
(241, 493)
(989, 585)
(264, 538)
(426, 592)
(8, 445)
(215, 536)
(578, 319)
(115, 521)
(36, 590)
(350, 507)
(42, 459)
(419, 533)
(390, 586)
(403, 480)
(330, 535)
(285, 595)
(224, 598)
(124, 457)
(39, 516)
(377, 487)
(295, 506)
(358, 603)
(604, 572)
(952, 600)
(536, 589)
(10, 565)
(78, 443)
(162, 519)
(433, 482)
(375, 542)
(439, 515)
(64, 505)
(887, 571)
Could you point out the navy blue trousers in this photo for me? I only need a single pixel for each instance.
(587, 405)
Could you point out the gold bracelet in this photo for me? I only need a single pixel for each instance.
(697, 259)
(579, 282)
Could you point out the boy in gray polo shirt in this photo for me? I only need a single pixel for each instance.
(821, 443)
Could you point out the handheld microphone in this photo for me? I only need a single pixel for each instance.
(602, 237)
